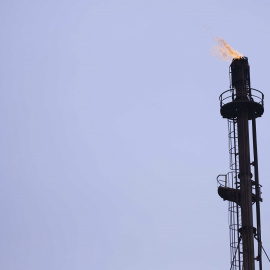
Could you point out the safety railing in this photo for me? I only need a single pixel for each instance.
(241, 94)
(228, 180)
(222, 180)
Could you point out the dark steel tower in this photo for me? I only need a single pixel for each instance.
(240, 105)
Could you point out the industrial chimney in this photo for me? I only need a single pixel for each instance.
(240, 105)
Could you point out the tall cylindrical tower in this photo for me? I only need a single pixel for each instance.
(240, 104)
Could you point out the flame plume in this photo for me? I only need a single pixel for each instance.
(224, 51)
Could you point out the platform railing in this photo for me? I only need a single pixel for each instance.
(231, 95)
(227, 180)
(222, 180)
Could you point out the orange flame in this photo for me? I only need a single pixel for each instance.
(224, 51)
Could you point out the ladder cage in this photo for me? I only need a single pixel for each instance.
(230, 180)
(234, 208)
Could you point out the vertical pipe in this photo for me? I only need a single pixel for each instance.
(245, 189)
(256, 177)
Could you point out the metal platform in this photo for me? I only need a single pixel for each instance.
(231, 101)
(233, 195)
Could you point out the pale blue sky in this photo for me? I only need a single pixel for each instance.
(111, 136)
